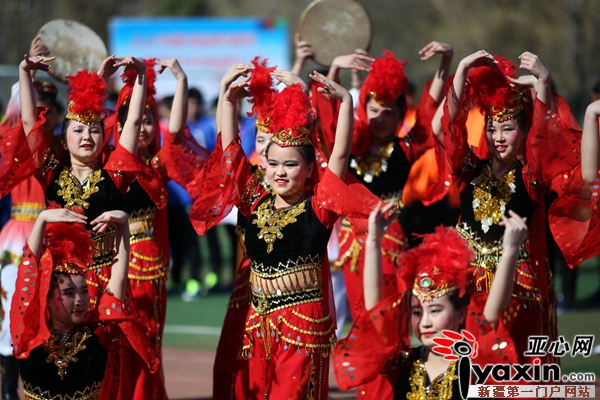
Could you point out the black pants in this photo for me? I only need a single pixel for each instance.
(10, 377)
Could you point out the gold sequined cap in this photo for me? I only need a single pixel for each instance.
(427, 287)
(437, 266)
(67, 268)
(300, 136)
(263, 124)
(501, 114)
(86, 117)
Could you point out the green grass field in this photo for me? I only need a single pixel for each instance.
(208, 312)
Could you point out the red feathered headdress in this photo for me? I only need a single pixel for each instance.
(86, 94)
(261, 87)
(493, 92)
(386, 82)
(291, 117)
(438, 266)
(125, 96)
(70, 245)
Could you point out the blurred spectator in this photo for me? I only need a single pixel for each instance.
(202, 126)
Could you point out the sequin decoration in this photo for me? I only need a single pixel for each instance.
(487, 208)
(440, 388)
(62, 351)
(272, 221)
(369, 166)
(75, 193)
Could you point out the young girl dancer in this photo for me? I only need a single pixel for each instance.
(289, 332)
(431, 298)
(65, 347)
(523, 152)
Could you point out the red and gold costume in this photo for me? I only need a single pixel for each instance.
(289, 331)
(180, 158)
(32, 155)
(83, 363)
(551, 148)
(383, 174)
(434, 269)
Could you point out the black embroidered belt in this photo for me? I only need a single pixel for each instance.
(141, 235)
(266, 304)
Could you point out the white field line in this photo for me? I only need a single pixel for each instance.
(193, 330)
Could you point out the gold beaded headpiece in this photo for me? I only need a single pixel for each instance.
(67, 268)
(427, 287)
(437, 266)
(501, 114)
(299, 136)
(263, 124)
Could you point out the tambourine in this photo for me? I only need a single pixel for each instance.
(75, 46)
(335, 27)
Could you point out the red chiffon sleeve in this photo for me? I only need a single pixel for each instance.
(181, 158)
(574, 216)
(123, 167)
(225, 181)
(28, 325)
(22, 156)
(386, 327)
(553, 147)
(125, 328)
(348, 198)
(494, 346)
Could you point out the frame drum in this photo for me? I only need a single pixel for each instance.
(335, 27)
(75, 46)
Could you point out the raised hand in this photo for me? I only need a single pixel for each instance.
(355, 61)
(37, 48)
(533, 64)
(108, 68)
(129, 63)
(330, 87)
(527, 81)
(174, 66)
(303, 48)
(380, 219)
(237, 91)
(288, 78)
(477, 59)
(515, 231)
(433, 48)
(35, 63)
(234, 72)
